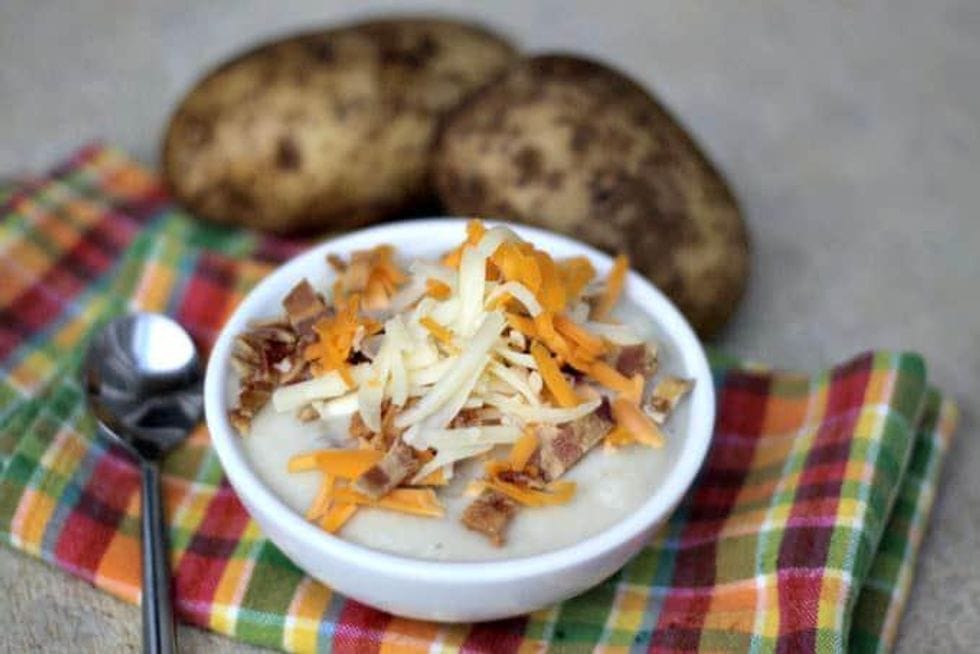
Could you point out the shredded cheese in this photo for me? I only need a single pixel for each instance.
(464, 356)
(629, 416)
(614, 286)
(437, 289)
(553, 379)
(523, 449)
(346, 464)
(414, 501)
(441, 333)
(557, 492)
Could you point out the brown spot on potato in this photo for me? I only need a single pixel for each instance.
(582, 136)
(528, 162)
(288, 156)
(198, 131)
(322, 51)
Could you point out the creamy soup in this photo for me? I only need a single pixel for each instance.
(610, 485)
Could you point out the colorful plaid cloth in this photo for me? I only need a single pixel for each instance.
(799, 535)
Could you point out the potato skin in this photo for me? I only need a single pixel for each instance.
(327, 130)
(574, 146)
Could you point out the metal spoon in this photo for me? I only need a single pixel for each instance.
(142, 377)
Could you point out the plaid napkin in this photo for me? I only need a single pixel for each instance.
(800, 534)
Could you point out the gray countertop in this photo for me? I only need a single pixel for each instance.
(850, 131)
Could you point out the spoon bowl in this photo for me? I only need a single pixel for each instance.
(142, 378)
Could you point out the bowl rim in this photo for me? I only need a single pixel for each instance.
(246, 482)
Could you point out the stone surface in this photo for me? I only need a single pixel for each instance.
(850, 132)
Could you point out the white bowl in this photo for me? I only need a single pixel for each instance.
(464, 591)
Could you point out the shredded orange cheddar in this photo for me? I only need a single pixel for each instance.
(517, 263)
(611, 378)
(562, 391)
(557, 492)
(474, 232)
(551, 294)
(335, 338)
(416, 501)
(523, 449)
(337, 516)
(522, 324)
(614, 287)
(629, 416)
(322, 500)
(619, 436)
(544, 326)
(437, 289)
(586, 340)
(347, 464)
(440, 332)
(575, 274)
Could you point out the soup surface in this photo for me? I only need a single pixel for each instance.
(610, 485)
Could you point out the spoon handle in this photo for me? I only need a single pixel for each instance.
(158, 617)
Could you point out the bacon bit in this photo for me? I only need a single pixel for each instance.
(474, 232)
(522, 451)
(372, 273)
(303, 306)
(490, 514)
(614, 287)
(557, 492)
(337, 517)
(665, 397)
(322, 501)
(562, 446)
(440, 332)
(609, 377)
(575, 274)
(347, 464)
(562, 391)
(592, 344)
(337, 263)
(629, 416)
(415, 501)
(398, 464)
(438, 290)
(307, 414)
(335, 340)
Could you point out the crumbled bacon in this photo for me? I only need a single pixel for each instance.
(561, 446)
(371, 273)
(359, 430)
(629, 360)
(304, 307)
(336, 262)
(307, 414)
(665, 397)
(490, 514)
(382, 440)
(263, 356)
(397, 465)
(467, 418)
(252, 396)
